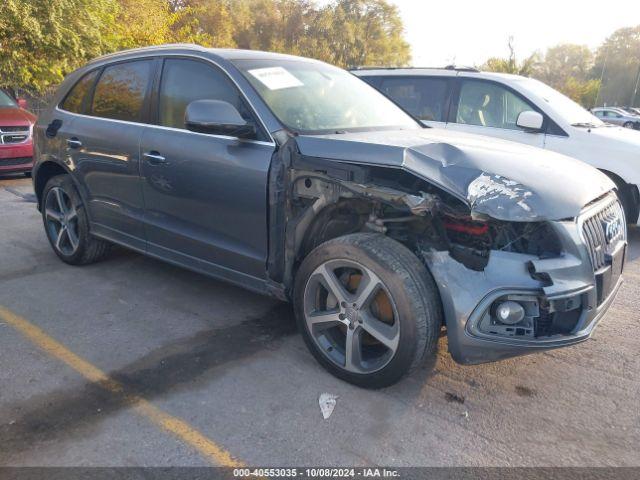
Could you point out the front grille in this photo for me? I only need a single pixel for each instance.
(12, 134)
(5, 162)
(603, 228)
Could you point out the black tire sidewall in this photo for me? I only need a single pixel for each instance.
(66, 183)
(396, 285)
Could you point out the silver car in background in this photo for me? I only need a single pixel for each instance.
(617, 116)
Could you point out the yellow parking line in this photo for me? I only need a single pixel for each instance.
(177, 427)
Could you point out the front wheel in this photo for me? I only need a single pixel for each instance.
(66, 224)
(629, 125)
(367, 308)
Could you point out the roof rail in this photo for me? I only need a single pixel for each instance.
(461, 68)
(448, 67)
(149, 48)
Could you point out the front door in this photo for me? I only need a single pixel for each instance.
(205, 195)
(488, 108)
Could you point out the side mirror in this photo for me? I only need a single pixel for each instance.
(530, 120)
(22, 103)
(218, 118)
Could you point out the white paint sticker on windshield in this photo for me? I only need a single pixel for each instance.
(276, 78)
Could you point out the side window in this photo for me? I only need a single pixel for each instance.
(121, 90)
(489, 105)
(74, 101)
(184, 81)
(423, 97)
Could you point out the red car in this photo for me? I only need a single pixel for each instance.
(16, 146)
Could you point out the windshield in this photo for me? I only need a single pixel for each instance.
(313, 97)
(6, 100)
(566, 108)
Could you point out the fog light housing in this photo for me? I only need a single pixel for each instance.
(509, 312)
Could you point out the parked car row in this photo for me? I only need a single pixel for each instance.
(518, 109)
(295, 179)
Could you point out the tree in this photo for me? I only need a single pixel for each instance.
(142, 22)
(346, 32)
(567, 68)
(361, 32)
(204, 22)
(618, 64)
(565, 61)
(43, 40)
(273, 25)
(511, 64)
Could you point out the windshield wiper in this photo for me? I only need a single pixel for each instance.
(584, 125)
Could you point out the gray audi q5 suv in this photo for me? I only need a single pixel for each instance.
(295, 179)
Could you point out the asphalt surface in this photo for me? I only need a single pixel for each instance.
(230, 365)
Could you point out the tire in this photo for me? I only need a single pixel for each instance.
(629, 204)
(404, 309)
(75, 246)
(628, 125)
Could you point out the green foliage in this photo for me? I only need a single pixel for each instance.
(610, 76)
(360, 32)
(43, 40)
(618, 63)
(511, 64)
(567, 68)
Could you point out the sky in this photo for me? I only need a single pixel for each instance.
(467, 32)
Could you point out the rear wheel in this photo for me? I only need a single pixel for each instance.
(628, 125)
(66, 224)
(367, 308)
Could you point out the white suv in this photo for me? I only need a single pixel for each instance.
(519, 109)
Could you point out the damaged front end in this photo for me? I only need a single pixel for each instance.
(512, 277)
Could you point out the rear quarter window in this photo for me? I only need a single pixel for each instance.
(74, 101)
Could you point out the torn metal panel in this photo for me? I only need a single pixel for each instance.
(504, 180)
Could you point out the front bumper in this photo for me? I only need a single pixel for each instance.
(16, 158)
(467, 297)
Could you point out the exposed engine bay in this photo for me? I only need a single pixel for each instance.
(412, 212)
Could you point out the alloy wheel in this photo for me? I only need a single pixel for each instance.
(351, 316)
(61, 219)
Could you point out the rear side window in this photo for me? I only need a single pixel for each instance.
(121, 91)
(425, 98)
(74, 101)
(184, 81)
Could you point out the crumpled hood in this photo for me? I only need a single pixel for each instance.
(505, 180)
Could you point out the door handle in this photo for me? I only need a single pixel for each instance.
(154, 158)
(73, 142)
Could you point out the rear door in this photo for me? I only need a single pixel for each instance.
(426, 98)
(105, 146)
(489, 108)
(205, 195)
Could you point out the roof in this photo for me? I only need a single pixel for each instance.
(440, 71)
(225, 53)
